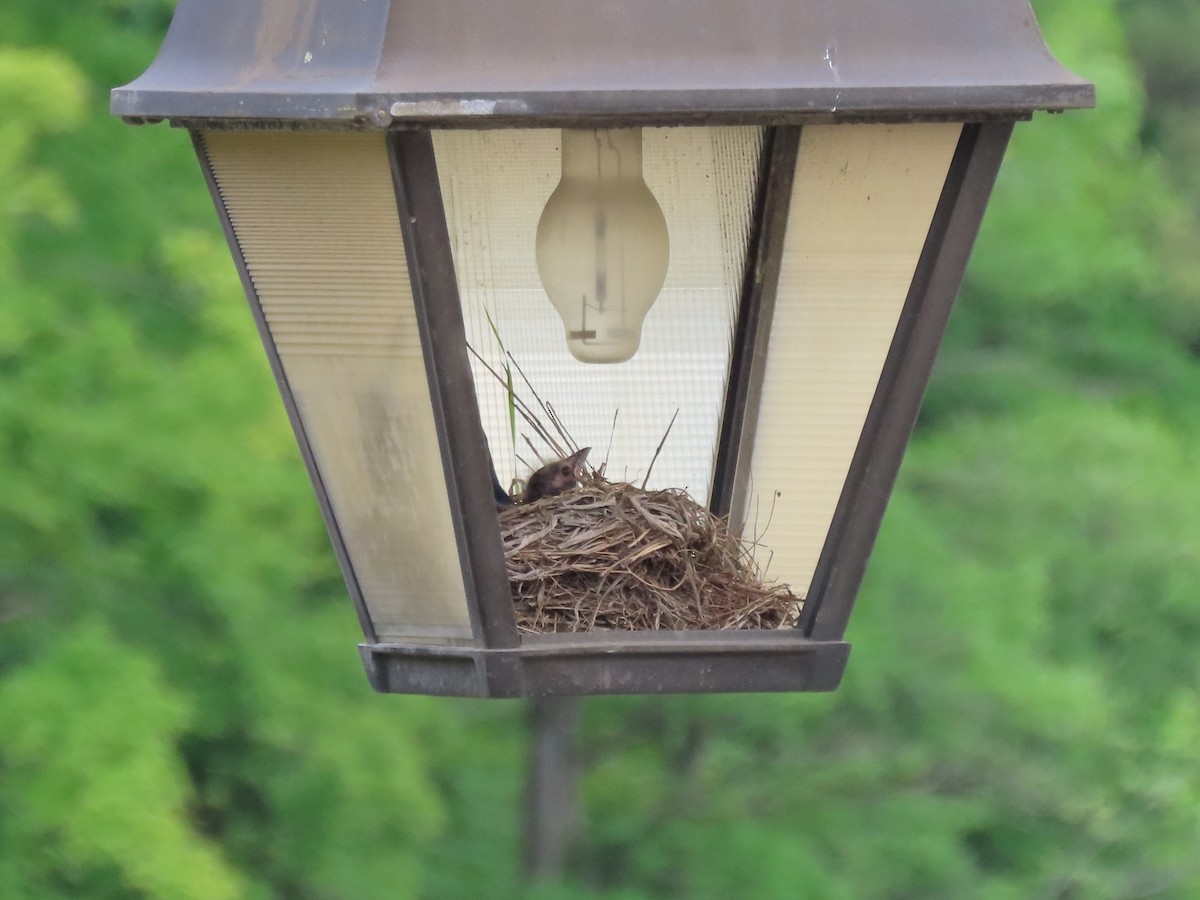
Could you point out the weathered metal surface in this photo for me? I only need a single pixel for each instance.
(613, 663)
(387, 63)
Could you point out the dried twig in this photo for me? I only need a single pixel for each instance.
(554, 445)
(520, 406)
(608, 450)
(658, 449)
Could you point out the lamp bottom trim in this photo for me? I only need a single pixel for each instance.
(610, 663)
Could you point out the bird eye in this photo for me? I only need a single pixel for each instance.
(566, 470)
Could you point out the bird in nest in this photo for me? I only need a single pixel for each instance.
(548, 481)
(555, 477)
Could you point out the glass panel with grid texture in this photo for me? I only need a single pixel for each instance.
(315, 219)
(862, 203)
(495, 185)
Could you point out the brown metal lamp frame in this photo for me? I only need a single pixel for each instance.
(810, 657)
(188, 87)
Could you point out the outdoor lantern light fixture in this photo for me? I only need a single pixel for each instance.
(795, 185)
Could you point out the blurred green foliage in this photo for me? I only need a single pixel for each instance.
(182, 713)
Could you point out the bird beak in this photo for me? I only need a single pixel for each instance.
(577, 461)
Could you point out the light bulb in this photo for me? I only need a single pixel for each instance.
(602, 245)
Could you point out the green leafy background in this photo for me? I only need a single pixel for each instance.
(182, 710)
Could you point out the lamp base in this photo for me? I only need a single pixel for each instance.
(654, 662)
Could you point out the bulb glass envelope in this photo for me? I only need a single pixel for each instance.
(380, 168)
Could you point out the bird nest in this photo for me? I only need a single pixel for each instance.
(613, 556)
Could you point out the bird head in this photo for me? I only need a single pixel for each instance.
(556, 477)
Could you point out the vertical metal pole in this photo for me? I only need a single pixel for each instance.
(552, 790)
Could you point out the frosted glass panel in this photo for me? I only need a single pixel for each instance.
(862, 203)
(315, 217)
(495, 185)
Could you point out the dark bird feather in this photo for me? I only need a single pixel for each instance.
(503, 501)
